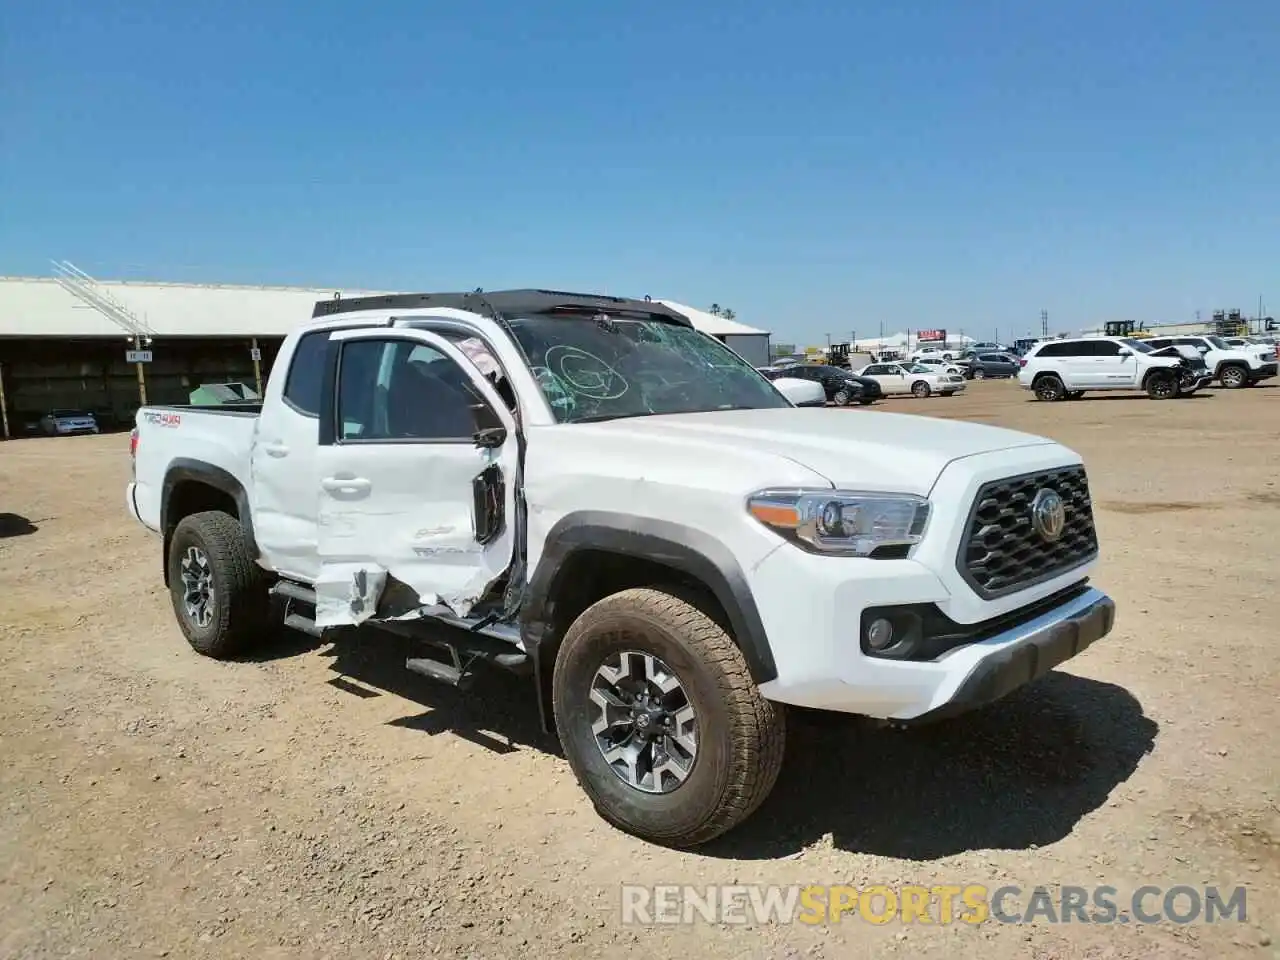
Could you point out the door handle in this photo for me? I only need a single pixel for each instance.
(276, 449)
(350, 485)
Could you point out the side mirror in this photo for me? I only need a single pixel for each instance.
(490, 433)
(1125, 352)
(1203, 349)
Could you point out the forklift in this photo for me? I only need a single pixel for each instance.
(1126, 328)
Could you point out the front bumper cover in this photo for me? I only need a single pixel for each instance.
(1003, 671)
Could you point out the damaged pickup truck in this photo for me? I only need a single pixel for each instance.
(589, 491)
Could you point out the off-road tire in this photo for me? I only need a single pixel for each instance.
(1049, 387)
(920, 389)
(1162, 386)
(241, 601)
(741, 735)
(1233, 377)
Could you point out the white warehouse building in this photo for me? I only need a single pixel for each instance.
(64, 341)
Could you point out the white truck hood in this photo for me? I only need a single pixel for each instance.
(852, 449)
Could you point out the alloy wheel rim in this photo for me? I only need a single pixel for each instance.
(644, 724)
(197, 587)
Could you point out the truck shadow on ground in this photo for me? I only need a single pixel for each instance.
(15, 525)
(1016, 774)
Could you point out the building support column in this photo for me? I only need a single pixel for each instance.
(257, 366)
(142, 377)
(4, 409)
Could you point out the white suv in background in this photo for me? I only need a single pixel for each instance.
(1232, 365)
(933, 353)
(1065, 369)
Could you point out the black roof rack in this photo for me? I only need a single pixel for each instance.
(508, 303)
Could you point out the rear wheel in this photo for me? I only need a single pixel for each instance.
(661, 721)
(1049, 387)
(842, 397)
(218, 593)
(920, 389)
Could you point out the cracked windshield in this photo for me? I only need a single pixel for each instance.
(593, 368)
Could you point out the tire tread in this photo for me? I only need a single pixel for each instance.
(757, 725)
(241, 607)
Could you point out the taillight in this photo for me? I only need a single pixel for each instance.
(1022, 361)
(133, 442)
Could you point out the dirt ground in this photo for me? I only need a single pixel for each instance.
(321, 802)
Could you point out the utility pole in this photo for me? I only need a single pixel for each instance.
(1044, 323)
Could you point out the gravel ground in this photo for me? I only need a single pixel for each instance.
(321, 802)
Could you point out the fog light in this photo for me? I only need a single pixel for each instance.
(879, 634)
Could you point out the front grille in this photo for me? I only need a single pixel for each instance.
(1002, 552)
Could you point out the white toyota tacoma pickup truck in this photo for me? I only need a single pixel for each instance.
(588, 490)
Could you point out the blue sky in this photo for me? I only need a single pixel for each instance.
(819, 167)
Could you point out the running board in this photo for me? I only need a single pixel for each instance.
(294, 591)
(306, 625)
(455, 675)
(297, 592)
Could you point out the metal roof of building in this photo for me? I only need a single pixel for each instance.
(42, 307)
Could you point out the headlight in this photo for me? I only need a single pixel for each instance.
(843, 522)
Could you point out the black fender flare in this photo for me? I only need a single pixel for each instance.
(183, 470)
(683, 549)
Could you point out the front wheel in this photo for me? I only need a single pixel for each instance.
(1162, 386)
(218, 593)
(920, 389)
(979, 374)
(1233, 378)
(660, 719)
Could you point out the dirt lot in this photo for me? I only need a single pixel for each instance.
(321, 802)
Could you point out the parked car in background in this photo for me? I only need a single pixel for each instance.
(985, 346)
(940, 353)
(61, 423)
(984, 365)
(1232, 366)
(1066, 368)
(912, 378)
(841, 387)
(801, 392)
(943, 366)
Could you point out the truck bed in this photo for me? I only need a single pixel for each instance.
(227, 409)
(217, 439)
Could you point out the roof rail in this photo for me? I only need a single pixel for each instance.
(506, 302)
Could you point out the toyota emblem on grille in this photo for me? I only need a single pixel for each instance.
(1048, 514)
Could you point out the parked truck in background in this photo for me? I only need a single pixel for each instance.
(586, 490)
